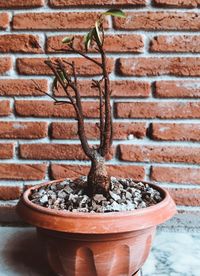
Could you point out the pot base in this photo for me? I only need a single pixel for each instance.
(92, 255)
(103, 244)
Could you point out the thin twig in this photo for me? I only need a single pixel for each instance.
(85, 56)
(52, 97)
(97, 84)
(77, 105)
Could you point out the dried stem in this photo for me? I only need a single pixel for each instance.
(85, 56)
(97, 84)
(76, 104)
(66, 75)
(52, 97)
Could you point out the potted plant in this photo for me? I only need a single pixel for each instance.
(94, 225)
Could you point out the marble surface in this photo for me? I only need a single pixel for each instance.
(173, 254)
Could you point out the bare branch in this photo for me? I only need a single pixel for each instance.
(52, 97)
(107, 132)
(74, 74)
(64, 86)
(77, 105)
(85, 56)
(97, 84)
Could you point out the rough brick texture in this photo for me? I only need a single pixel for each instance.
(82, 3)
(176, 175)
(178, 3)
(113, 44)
(54, 21)
(50, 109)
(4, 20)
(22, 87)
(187, 66)
(53, 152)
(158, 21)
(4, 108)
(160, 154)
(36, 66)
(162, 110)
(22, 171)
(8, 213)
(120, 89)
(175, 44)
(23, 130)
(59, 171)
(187, 197)
(121, 130)
(5, 64)
(19, 44)
(9, 192)
(13, 4)
(6, 151)
(176, 132)
(154, 65)
(177, 89)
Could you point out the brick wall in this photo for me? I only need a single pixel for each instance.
(154, 62)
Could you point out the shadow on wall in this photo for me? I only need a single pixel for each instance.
(23, 254)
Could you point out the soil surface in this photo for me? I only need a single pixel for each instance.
(68, 195)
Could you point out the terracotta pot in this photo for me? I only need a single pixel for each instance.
(110, 244)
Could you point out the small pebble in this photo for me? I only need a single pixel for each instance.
(68, 195)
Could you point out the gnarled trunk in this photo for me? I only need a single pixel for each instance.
(98, 177)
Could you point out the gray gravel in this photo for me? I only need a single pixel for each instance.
(68, 195)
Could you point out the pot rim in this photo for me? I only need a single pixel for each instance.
(29, 211)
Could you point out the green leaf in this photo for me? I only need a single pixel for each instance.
(97, 32)
(115, 12)
(55, 84)
(88, 39)
(67, 40)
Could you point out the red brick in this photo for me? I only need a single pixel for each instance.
(72, 171)
(186, 197)
(53, 152)
(178, 66)
(176, 175)
(9, 192)
(36, 66)
(50, 109)
(113, 43)
(6, 151)
(19, 43)
(177, 89)
(158, 21)
(5, 64)
(5, 108)
(120, 88)
(163, 154)
(8, 213)
(13, 4)
(22, 87)
(178, 3)
(121, 130)
(4, 20)
(83, 3)
(55, 21)
(176, 132)
(176, 44)
(23, 130)
(162, 110)
(22, 171)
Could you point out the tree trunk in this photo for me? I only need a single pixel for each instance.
(98, 178)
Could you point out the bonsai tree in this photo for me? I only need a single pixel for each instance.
(98, 180)
(78, 244)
